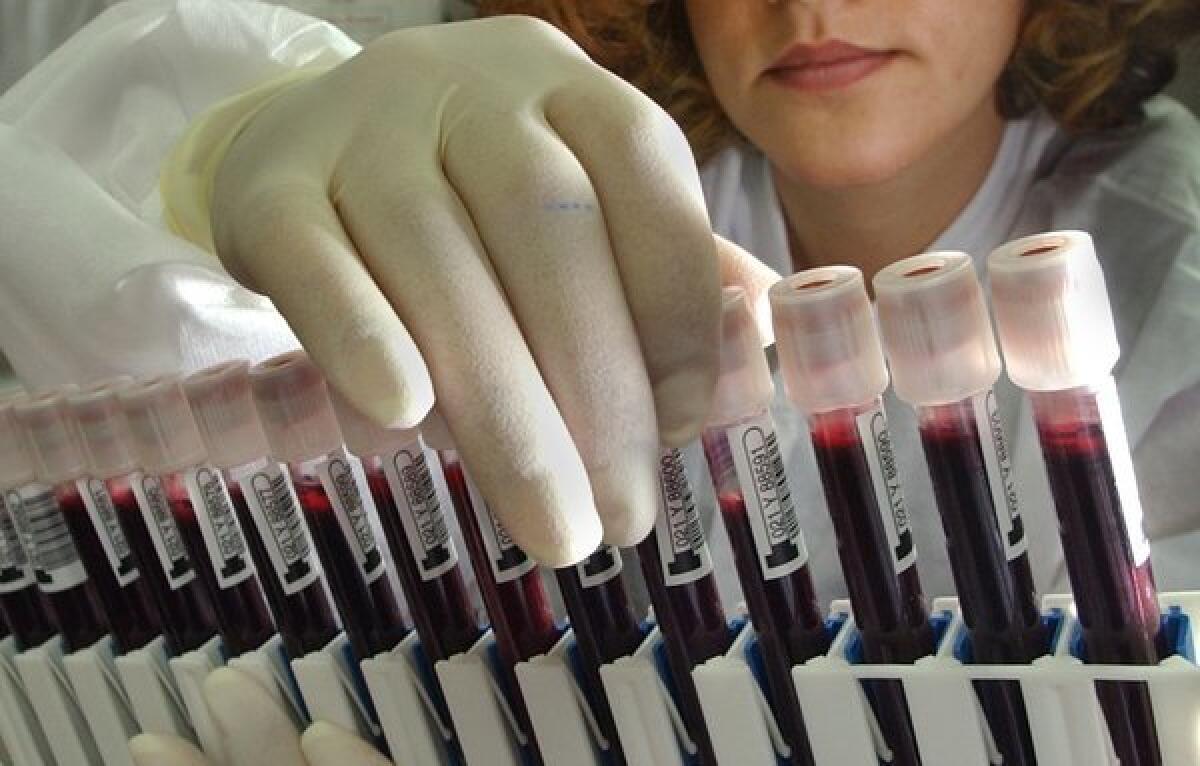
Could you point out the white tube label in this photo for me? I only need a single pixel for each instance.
(219, 526)
(164, 532)
(508, 561)
(600, 567)
(769, 507)
(276, 512)
(43, 530)
(421, 498)
(1113, 425)
(682, 545)
(885, 478)
(998, 462)
(15, 573)
(342, 479)
(108, 528)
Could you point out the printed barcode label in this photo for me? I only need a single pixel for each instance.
(15, 573)
(276, 512)
(681, 541)
(885, 477)
(769, 506)
(164, 533)
(108, 528)
(342, 479)
(1113, 425)
(600, 567)
(219, 526)
(998, 462)
(508, 561)
(421, 499)
(43, 529)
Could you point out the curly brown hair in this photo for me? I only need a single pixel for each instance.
(1090, 63)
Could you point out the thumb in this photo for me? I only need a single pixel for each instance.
(741, 269)
(164, 750)
(256, 728)
(327, 745)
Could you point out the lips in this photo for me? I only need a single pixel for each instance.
(828, 66)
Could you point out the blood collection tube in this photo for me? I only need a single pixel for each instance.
(605, 627)
(188, 617)
(943, 357)
(266, 506)
(513, 594)
(169, 446)
(1059, 341)
(833, 370)
(99, 535)
(301, 427)
(752, 490)
(409, 488)
(678, 570)
(21, 602)
(47, 540)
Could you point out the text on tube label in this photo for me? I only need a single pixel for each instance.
(600, 567)
(276, 512)
(508, 561)
(885, 477)
(769, 506)
(998, 461)
(342, 478)
(1113, 425)
(108, 528)
(15, 572)
(219, 526)
(43, 530)
(679, 532)
(421, 499)
(164, 532)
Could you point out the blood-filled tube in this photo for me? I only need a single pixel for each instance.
(678, 570)
(188, 617)
(47, 541)
(944, 362)
(168, 445)
(266, 506)
(752, 490)
(58, 460)
(833, 370)
(293, 401)
(1059, 341)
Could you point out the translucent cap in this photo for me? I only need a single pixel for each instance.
(294, 403)
(103, 432)
(50, 437)
(935, 327)
(223, 405)
(15, 466)
(1052, 312)
(744, 384)
(829, 350)
(364, 436)
(164, 434)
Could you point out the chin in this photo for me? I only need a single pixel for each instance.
(845, 165)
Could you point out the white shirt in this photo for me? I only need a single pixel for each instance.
(92, 284)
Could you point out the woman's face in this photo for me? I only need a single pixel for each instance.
(840, 93)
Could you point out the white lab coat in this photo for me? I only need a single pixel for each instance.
(92, 284)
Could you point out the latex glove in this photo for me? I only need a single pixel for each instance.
(480, 210)
(256, 731)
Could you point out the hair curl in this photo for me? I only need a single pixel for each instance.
(1090, 63)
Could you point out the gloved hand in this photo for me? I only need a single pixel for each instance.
(477, 209)
(256, 731)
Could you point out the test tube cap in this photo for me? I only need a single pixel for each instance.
(744, 385)
(1052, 311)
(829, 350)
(50, 437)
(103, 432)
(223, 405)
(16, 468)
(293, 400)
(936, 330)
(364, 437)
(164, 433)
